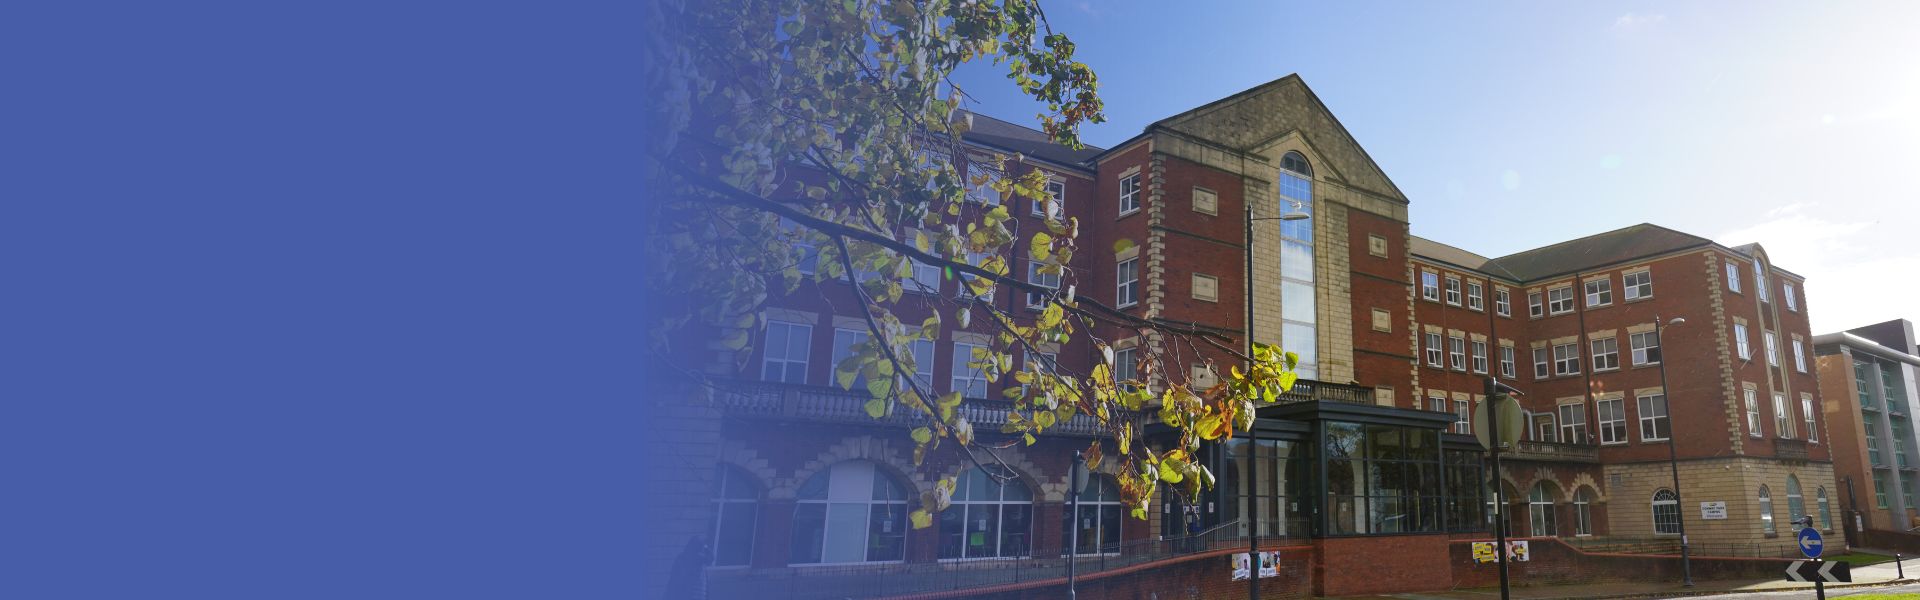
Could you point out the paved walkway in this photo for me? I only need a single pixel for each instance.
(1871, 575)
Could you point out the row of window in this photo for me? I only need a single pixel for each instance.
(1787, 295)
(786, 357)
(1432, 286)
(853, 512)
(1772, 346)
(1783, 419)
(1665, 506)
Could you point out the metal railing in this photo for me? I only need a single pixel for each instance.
(771, 400)
(837, 582)
(1783, 547)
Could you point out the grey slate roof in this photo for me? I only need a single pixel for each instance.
(1011, 137)
(1619, 245)
(1426, 248)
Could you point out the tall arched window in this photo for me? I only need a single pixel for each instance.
(1826, 518)
(991, 516)
(1766, 510)
(1540, 510)
(1666, 512)
(1796, 506)
(1583, 512)
(851, 512)
(1097, 524)
(736, 506)
(1298, 313)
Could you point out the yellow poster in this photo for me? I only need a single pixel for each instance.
(1483, 552)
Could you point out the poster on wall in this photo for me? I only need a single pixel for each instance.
(1482, 553)
(1269, 565)
(1517, 551)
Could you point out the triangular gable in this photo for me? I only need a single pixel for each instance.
(1254, 119)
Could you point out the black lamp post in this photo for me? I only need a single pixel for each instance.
(1673, 458)
(1253, 438)
(1078, 483)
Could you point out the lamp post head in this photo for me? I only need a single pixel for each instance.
(1677, 321)
(1295, 216)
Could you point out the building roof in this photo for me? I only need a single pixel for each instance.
(989, 131)
(1572, 256)
(1452, 255)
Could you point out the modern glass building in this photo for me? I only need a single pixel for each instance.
(1868, 383)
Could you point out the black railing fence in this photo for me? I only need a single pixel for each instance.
(870, 580)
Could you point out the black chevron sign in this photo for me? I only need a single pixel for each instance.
(1827, 571)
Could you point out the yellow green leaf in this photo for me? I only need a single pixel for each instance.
(922, 519)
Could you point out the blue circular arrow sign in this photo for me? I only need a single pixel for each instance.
(1810, 543)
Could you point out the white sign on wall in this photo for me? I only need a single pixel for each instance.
(1711, 511)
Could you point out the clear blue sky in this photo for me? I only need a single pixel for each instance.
(1512, 125)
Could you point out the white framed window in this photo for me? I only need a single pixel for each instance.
(1782, 420)
(1566, 359)
(1766, 510)
(1799, 357)
(1599, 292)
(805, 253)
(1573, 423)
(984, 192)
(1127, 282)
(1095, 520)
(1433, 351)
(923, 364)
(1126, 365)
(991, 516)
(1476, 299)
(1773, 348)
(1560, 300)
(1666, 512)
(1479, 357)
(1430, 286)
(1544, 429)
(1533, 305)
(784, 357)
(1611, 415)
(844, 341)
(1653, 418)
(1806, 414)
(1740, 341)
(1645, 346)
(1638, 284)
(1506, 362)
(1826, 517)
(1786, 294)
(966, 291)
(1036, 300)
(736, 508)
(1502, 303)
(1760, 281)
(849, 513)
(1462, 417)
(1437, 401)
(1457, 352)
(925, 280)
(1540, 518)
(1606, 354)
(971, 382)
(1583, 512)
(1753, 412)
(1129, 194)
(1453, 290)
(1733, 277)
(1540, 363)
(1056, 204)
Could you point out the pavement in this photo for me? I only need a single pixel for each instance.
(1879, 575)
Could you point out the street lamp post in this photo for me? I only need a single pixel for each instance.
(1673, 457)
(1079, 484)
(1253, 438)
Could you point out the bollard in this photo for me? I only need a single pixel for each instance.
(1899, 569)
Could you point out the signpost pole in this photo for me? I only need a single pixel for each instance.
(1500, 502)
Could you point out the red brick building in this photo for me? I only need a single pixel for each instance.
(1370, 454)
